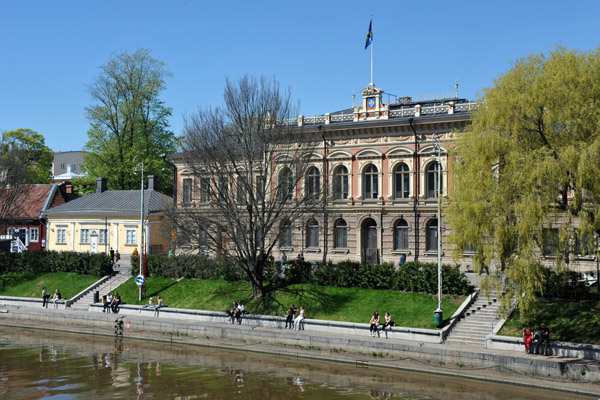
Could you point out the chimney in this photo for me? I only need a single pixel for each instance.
(100, 185)
(69, 189)
(152, 182)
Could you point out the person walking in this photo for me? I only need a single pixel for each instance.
(45, 297)
(283, 260)
(112, 257)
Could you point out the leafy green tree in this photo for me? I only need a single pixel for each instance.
(527, 172)
(38, 155)
(128, 121)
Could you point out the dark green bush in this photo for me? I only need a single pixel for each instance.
(97, 264)
(413, 277)
(563, 285)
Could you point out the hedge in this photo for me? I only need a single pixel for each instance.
(36, 261)
(412, 276)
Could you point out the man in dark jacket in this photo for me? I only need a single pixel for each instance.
(544, 338)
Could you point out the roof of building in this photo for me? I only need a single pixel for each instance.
(31, 200)
(115, 202)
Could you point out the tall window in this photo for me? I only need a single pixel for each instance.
(550, 242)
(312, 233)
(223, 188)
(583, 244)
(84, 236)
(242, 189)
(370, 234)
(61, 235)
(204, 190)
(34, 234)
(260, 187)
(401, 235)
(340, 183)
(285, 185)
(432, 181)
(371, 182)
(285, 240)
(341, 234)
(103, 236)
(432, 236)
(131, 236)
(401, 181)
(188, 190)
(313, 183)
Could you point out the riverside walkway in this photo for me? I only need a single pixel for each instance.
(571, 375)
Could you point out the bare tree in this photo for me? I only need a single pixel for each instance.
(14, 163)
(247, 161)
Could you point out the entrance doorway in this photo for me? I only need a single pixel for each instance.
(370, 253)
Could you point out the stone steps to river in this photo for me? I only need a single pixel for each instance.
(477, 322)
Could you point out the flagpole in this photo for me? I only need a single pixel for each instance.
(372, 49)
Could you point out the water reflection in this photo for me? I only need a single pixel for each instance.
(35, 364)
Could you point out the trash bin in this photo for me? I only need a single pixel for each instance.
(438, 318)
(96, 296)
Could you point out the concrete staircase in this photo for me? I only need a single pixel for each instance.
(477, 322)
(121, 275)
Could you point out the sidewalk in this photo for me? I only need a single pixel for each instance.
(450, 360)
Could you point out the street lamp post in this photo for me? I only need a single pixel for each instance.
(141, 288)
(439, 313)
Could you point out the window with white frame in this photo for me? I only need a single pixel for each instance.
(371, 182)
(61, 235)
(401, 181)
(341, 178)
(312, 234)
(340, 234)
(433, 180)
(84, 236)
(188, 190)
(34, 234)
(131, 236)
(551, 241)
(401, 235)
(103, 236)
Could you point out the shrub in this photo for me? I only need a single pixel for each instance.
(36, 261)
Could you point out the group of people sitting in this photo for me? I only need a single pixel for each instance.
(295, 317)
(375, 322)
(112, 301)
(236, 312)
(159, 304)
(46, 298)
(534, 340)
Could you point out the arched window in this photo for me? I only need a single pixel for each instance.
(312, 233)
(340, 183)
(313, 183)
(285, 238)
(432, 181)
(371, 182)
(285, 185)
(401, 181)
(341, 234)
(401, 235)
(432, 236)
(370, 234)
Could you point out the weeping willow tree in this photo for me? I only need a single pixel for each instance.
(527, 172)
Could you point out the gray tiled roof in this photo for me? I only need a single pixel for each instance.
(114, 202)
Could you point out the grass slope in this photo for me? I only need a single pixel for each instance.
(330, 303)
(27, 284)
(568, 321)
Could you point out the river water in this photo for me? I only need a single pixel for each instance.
(37, 364)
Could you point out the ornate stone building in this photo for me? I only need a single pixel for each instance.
(380, 165)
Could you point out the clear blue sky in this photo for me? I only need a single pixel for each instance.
(51, 50)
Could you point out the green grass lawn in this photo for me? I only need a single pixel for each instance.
(27, 284)
(569, 321)
(330, 303)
